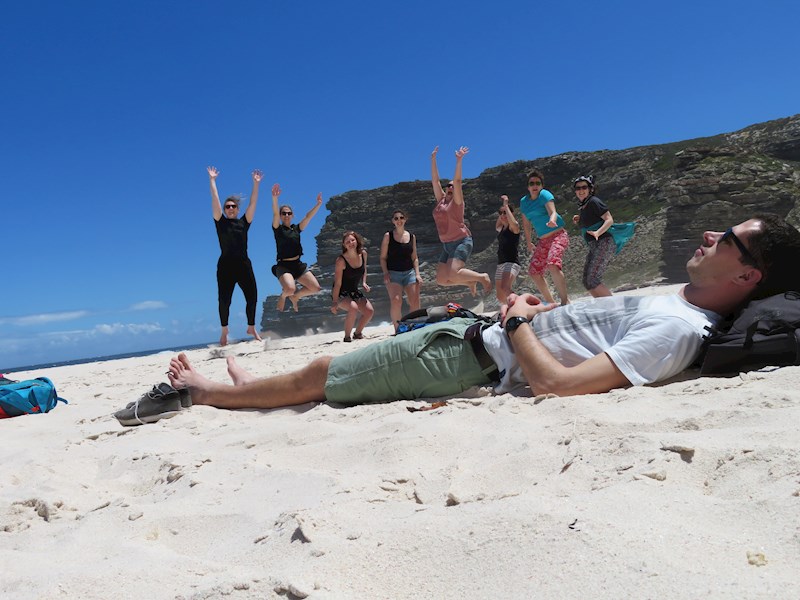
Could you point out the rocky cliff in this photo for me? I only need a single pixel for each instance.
(673, 191)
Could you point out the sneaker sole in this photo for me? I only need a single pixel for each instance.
(129, 421)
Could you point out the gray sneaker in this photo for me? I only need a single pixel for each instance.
(162, 402)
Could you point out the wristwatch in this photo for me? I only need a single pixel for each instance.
(513, 322)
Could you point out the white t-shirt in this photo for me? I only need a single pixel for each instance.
(649, 338)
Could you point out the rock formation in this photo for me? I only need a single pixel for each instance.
(673, 191)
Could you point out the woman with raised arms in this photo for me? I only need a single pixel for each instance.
(456, 238)
(289, 269)
(234, 266)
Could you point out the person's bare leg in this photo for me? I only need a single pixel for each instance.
(251, 330)
(223, 338)
(395, 291)
(350, 320)
(299, 387)
(310, 286)
(503, 287)
(560, 282)
(543, 288)
(459, 275)
(288, 287)
(367, 311)
(412, 295)
(600, 291)
(238, 375)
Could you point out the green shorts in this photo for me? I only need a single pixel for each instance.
(430, 362)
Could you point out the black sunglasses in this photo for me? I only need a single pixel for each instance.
(581, 187)
(398, 218)
(227, 206)
(286, 213)
(746, 255)
(530, 183)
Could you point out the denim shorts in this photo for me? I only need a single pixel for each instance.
(403, 278)
(460, 249)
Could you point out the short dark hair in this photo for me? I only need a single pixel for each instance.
(776, 248)
(399, 210)
(535, 173)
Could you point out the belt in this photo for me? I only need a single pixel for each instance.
(474, 337)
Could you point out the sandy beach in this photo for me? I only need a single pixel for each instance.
(688, 489)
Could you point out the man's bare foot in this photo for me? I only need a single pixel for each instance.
(238, 375)
(486, 282)
(223, 338)
(294, 300)
(473, 288)
(181, 375)
(281, 302)
(252, 331)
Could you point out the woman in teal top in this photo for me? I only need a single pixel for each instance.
(539, 213)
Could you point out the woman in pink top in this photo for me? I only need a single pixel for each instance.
(453, 233)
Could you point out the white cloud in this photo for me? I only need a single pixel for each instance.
(149, 305)
(132, 328)
(44, 318)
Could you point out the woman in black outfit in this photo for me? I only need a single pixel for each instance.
(290, 270)
(508, 268)
(400, 266)
(351, 267)
(234, 266)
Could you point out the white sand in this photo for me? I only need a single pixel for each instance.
(488, 497)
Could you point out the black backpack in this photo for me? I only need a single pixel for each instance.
(436, 314)
(765, 333)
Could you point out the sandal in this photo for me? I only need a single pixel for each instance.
(358, 336)
(347, 338)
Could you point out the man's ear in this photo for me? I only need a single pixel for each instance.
(749, 278)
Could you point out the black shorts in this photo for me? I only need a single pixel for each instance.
(294, 267)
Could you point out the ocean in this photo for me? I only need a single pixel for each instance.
(80, 361)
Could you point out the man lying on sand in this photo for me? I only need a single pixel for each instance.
(584, 348)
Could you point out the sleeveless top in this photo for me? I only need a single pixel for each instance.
(232, 235)
(449, 219)
(398, 255)
(351, 276)
(507, 246)
(287, 241)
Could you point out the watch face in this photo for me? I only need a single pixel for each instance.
(514, 322)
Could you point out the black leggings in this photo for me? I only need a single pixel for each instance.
(229, 273)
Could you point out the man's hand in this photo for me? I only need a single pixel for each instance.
(524, 305)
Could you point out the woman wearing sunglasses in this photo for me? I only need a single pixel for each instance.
(539, 213)
(595, 221)
(351, 269)
(234, 266)
(507, 228)
(453, 233)
(400, 267)
(290, 270)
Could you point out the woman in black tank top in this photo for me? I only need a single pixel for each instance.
(400, 267)
(507, 228)
(351, 268)
(234, 266)
(289, 269)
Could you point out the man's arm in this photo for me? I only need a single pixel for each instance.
(543, 372)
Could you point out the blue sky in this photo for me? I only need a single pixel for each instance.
(112, 110)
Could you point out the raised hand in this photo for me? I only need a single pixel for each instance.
(319, 199)
(257, 175)
(504, 198)
(435, 151)
(212, 172)
(276, 190)
(461, 152)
